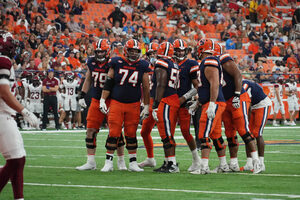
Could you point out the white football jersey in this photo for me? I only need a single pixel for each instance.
(291, 87)
(35, 93)
(6, 69)
(70, 88)
(279, 86)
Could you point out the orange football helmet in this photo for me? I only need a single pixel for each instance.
(180, 49)
(152, 47)
(218, 49)
(132, 50)
(102, 50)
(165, 50)
(205, 46)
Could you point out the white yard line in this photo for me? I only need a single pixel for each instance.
(247, 174)
(161, 190)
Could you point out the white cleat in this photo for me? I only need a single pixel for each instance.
(195, 166)
(234, 167)
(133, 167)
(293, 123)
(108, 167)
(256, 167)
(204, 170)
(87, 166)
(247, 168)
(275, 124)
(286, 123)
(121, 165)
(149, 162)
(221, 169)
(263, 167)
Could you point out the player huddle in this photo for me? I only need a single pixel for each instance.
(171, 88)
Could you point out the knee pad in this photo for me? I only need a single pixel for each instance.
(131, 143)
(91, 140)
(233, 141)
(168, 143)
(111, 143)
(218, 143)
(205, 143)
(247, 138)
(121, 141)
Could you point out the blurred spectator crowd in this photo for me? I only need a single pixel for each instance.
(261, 35)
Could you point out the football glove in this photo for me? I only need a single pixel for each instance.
(30, 118)
(236, 100)
(145, 112)
(82, 103)
(192, 106)
(211, 110)
(154, 111)
(103, 107)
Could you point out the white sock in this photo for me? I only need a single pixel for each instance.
(233, 161)
(249, 161)
(274, 121)
(20, 199)
(91, 158)
(173, 159)
(166, 159)
(150, 159)
(132, 157)
(195, 155)
(222, 160)
(204, 161)
(121, 158)
(261, 159)
(254, 155)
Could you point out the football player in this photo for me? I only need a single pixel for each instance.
(11, 142)
(35, 97)
(213, 105)
(278, 103)
(188, 70)
(292, 93)
(149, 122)
(235, 116)
(95, 79)
(260, 110)
(126, 76)
(70, 85)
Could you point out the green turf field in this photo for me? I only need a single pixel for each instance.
(52, 157)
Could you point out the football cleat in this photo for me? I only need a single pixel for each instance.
(256, 167)
(108, 167)
(275, 123)
(247, 168)
(121, 164)
(87, 166)
(286, 123)
(293, 123)
(204, 169)
(149, 162)
(195, 166)
(263, 167)
(162, 168)
(221, 169)
(234, 167)
(171, 168)
(133, 167)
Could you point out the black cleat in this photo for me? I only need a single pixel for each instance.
(171, 168)
(162, 168)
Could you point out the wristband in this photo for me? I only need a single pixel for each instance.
(48, 87)
(155, 104)
(237, 93)
(82, 95)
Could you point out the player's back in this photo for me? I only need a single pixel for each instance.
(255, 91)
(172, 76)
(204, 85)
(228, 81)
(188, 70)
(98, 76)
(127, 79)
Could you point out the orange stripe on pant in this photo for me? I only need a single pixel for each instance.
(167, 116)
(211, 128)
(236, 119)
(95, 117)
(127, 114)
(258, 120)
(185, 121)
(147, 127)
